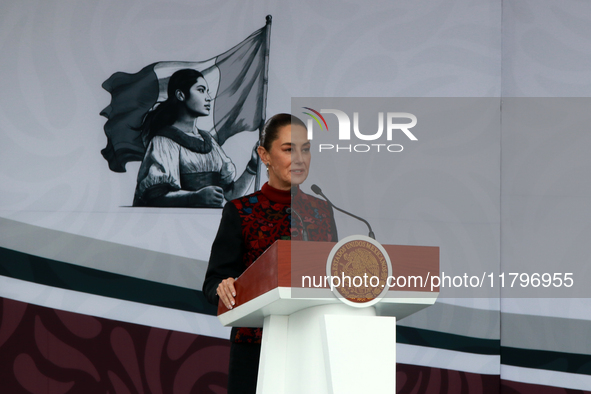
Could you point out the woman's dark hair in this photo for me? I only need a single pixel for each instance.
(271, 128)
(165, 113)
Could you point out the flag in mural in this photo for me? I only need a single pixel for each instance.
(238, 77)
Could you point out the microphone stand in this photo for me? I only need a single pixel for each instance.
(318, 191)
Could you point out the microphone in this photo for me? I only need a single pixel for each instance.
(290, 210)
(318, 191)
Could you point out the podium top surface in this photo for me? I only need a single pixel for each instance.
(277, 275)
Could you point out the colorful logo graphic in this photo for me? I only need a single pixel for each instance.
(388, 125)
(316, 117)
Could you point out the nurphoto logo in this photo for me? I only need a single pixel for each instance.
(396, 122)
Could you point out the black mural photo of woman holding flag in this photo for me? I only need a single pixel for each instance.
(184, 166)
(153, 118)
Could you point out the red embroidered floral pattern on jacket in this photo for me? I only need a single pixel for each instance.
(264, 221)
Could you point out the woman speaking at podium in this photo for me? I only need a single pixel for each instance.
(252, 223)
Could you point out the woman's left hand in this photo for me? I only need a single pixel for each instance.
(227, 292)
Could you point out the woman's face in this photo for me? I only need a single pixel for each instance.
(199, 101)
(289, 157)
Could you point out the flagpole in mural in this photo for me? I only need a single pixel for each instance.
(237, 80)
(257, 182)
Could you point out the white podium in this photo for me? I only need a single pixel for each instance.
(312, 341)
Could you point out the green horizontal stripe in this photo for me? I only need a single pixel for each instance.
(547, 360)
(68, 276)
(526, 358)
(442, 340)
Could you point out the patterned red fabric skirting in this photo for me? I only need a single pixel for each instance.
(426, 380)
(510, 387)
(47, 351)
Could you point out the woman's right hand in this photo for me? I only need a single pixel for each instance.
(209, 196)
(227, 292)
